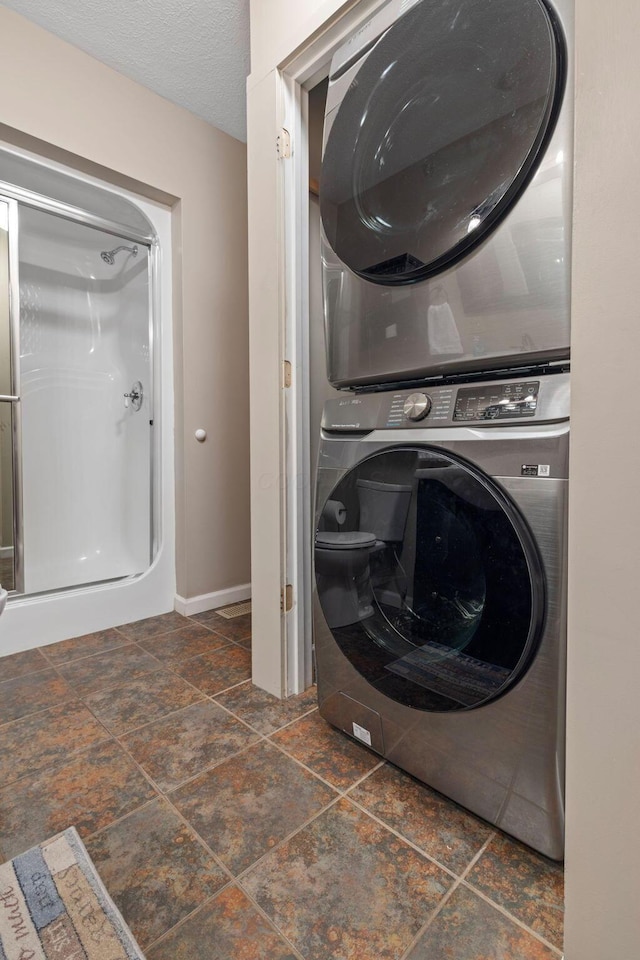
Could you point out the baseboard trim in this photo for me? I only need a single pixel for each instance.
(211, 601)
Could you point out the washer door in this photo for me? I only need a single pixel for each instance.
(438, 134)
(447, 609)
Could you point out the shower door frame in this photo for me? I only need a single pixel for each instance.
(13, 195)
(13, 398)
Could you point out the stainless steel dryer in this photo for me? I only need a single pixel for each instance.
(446, 190)
(440, 563)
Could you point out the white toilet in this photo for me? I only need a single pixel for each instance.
(342, 557)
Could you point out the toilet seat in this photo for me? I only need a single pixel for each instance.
(344, 540)
(342, 572)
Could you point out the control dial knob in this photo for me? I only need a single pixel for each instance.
(417, 406)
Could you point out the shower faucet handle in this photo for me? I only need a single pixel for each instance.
(135, 395)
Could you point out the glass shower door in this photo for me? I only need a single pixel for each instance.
(86, 403)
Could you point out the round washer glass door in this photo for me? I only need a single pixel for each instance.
(438, 134)
(441, 605)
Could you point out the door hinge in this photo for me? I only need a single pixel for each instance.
(283, 144)
(286, 379)
(286, 598)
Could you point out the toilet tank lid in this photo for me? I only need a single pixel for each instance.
(384, 487)
(344, 540)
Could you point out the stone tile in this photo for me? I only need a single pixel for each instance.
(186, 743)
(346, 887)
(32, 692)
(262, 710)
(85, 646)
(88, 792)
(205, 616)
(218, 670)
(108, 669)
(19, 664)
(326, 750)
(190, 641)
(246, 643)
(525, 883)
(438, 826)
(46, 738)
(152, 626)
(227, 928)
(238, 628)
(129, 705)
(468, 928)
(245, 806)
(155, 868)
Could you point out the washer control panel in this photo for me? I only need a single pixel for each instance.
(417, 406)
(484, 403)
(405, 408)
(500, 401)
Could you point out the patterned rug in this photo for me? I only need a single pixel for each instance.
(54, 905)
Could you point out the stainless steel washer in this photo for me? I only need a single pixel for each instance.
(446, 190)
(440, 564)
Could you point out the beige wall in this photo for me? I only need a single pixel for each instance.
(603, 769)
(88, 115)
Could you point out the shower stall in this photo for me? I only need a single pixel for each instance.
(81, 451)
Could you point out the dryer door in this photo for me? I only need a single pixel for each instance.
(445, 612)
(438, 134)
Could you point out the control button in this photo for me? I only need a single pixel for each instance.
(417, 406)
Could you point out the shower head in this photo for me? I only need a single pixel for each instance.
(109, 256)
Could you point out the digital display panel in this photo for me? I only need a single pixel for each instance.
(502, 401)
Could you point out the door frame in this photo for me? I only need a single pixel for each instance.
(291, 497)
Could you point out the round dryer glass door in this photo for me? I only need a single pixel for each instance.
(438, 133)
(439, 604)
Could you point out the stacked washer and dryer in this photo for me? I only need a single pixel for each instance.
(441, 498)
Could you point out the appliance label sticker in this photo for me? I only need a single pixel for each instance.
(361, 733)
(536, 470)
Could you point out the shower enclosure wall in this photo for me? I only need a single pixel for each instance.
(82, 360)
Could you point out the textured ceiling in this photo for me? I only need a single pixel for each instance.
(193, 52)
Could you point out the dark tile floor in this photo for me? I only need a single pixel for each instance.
(229, 825)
